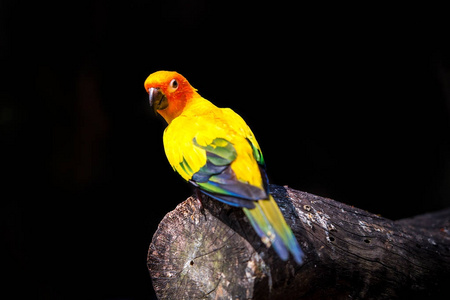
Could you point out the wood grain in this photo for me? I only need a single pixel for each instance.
(350, 253)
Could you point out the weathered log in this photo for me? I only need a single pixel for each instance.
(350, 253)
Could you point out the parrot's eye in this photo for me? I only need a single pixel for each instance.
(173, 85)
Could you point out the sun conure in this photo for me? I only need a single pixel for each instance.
(215, 150)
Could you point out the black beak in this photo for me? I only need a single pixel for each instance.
(157, 99)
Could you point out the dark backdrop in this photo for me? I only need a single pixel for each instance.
(348, 102)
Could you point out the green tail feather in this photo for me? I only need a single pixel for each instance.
(269, 223)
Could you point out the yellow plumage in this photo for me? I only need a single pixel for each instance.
(205, 122)
(215, 150)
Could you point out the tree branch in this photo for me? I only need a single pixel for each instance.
(350, 253)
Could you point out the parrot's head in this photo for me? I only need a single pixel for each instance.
(169, 92)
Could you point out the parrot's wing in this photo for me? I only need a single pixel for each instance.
(218, 153)
(257, 154)
(218, 180)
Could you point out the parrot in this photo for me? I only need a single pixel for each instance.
(215, 150)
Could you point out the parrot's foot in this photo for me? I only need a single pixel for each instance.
(199, 199)
(199, 204)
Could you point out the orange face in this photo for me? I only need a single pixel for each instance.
(169, 92)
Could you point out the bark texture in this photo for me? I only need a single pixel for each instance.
(350, 253)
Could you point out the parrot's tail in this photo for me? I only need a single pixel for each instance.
(269, 223)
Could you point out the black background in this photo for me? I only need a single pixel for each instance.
(347, 102)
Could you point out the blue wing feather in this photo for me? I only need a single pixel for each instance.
(218, 180)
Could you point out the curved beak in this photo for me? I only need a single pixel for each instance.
(157, 99)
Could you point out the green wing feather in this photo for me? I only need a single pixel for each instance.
(217, 179)
(257, 153)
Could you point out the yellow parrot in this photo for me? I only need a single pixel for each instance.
(215, 150)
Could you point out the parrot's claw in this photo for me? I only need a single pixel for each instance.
(199, 204)
(199, 199)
